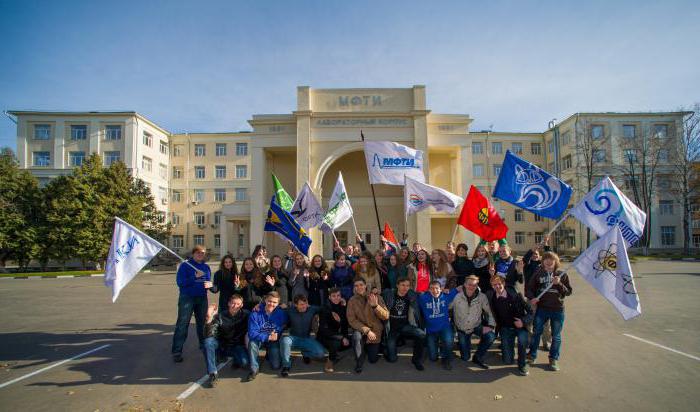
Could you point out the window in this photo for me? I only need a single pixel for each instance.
(177, 150)
(220, 172)
(178, 242)
(219, 195)
(199, 172)
(517, 148)
(629, 131)
(550, 166)
(661, 131)
(76, 158)
(147, 139)
(496, 147)
(200, 150)
(496, 170)
(217, 240)
(696, 241)
(597, 131)
(566, 162)
(177, 196)
(198, 218)
(42, 158)
(538, 218)
(477, 148)
(164, 147)
(217, 218)
(241, 240)
(42, 131)
(478, 170)
(668, 235)
(113, 132)
(177, 173)
(241, 149)
(198, 239)
(550, 146)
(198, 195)
(163, 193)
(665, 207)
(78, 132)
(147, 164)
(174, 218)
(241, 171)
(630, 155)
(241, 194)
(111, 157)
(538, 237)
(598, 155)
(535, 148)
(519, 238)
(221, 149)
(566, 138)
(519, 215)
(663, 155)
(163, 171)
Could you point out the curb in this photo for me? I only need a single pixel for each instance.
(96, 275)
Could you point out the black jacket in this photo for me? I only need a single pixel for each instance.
(223, 284)
(518, 307)
(415, 317)
(229, 330)
(328, 326)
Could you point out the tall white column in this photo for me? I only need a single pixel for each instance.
(223, 235)
(59, 145)
(94, 136)
(257, 193)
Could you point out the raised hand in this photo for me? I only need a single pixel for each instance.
(336, 316)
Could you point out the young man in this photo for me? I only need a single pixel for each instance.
(301, 317)
(468, 308)
(434, 306)
(193, 279)
(366, 314)
(333, 327)
(512, 314)
(226, 333)
(404, 322)
(264, 330)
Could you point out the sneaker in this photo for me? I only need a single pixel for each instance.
(251, 376)
(284, 372)
(177, 358)
(530, 359)
(553, 365)
(358, 368)
(446, 365)
(479, 363)
(328, 367)
(213, 379)
(524, 371)
(306, 359)
(419, 366)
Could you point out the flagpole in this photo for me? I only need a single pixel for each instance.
(556, 226)
(454, 233)
(374, 198)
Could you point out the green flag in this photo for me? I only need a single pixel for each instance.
(283, 199)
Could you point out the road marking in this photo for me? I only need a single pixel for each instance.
(189, 391)
(662, 346)
(52, 366)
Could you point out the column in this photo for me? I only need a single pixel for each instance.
(59, 147)
(257, 194)
(223, 235)
(94, 136)
(23, 155)
(419, 225)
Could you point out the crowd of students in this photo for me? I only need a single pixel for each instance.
(373, 303)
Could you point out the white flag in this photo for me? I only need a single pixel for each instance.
(339, 210)
(131, 250)
(306, 209)
(606, 206)
(606, 267)
(389, 162)
(419, 196)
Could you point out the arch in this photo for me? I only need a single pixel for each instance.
(335, 155)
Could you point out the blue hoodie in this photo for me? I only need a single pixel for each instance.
(261, 325)
(187, 281)
(435, 310)
(342, 277)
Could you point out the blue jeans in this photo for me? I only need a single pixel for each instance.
(556, 320)
(465, 343)
(309, 347)
(212, 346)
(446, 340)
(186, 306)
(508, 336)
(410, 332)
(273, 354)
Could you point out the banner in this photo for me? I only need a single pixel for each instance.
(481, 218)
(419, 196)
(307, 210)
(389, 162)
(280, 221)
(528, 187)
(606, 206)
(283, 199)
(339, 210)
(606, 267)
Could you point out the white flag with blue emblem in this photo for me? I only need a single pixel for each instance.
(419, 196)
(389, 162)
(606, 267)
(130, 251)
(339, 209)
(307, 210)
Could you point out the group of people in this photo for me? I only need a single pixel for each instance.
(373, 303)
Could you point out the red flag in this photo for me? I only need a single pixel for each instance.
(389, 234)
(481, 218)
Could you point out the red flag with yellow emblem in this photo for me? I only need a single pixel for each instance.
(480, 217)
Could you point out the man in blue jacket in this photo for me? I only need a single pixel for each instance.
(434, 305)
(265, 330)
(193, 279)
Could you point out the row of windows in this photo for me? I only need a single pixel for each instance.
(198, 195)
(497, 148)
(200, 172)
(178, 241)
(478, 170)
(521, 236)
(200, 149)
(43, 159)
(77, 132)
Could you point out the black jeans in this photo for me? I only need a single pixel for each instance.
(364, 349)
(186, 306)
(407, 332)
(333, 345)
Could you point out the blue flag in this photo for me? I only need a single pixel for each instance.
(531, 188)
(280, 221)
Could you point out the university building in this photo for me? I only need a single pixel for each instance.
(215, 188)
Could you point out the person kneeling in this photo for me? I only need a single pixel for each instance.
(469, 307)
(264, 330)
(404, 322)
(512, 314)
(333, 327)
(225, 336)
(434, 305)
(301, 317)
(366, 314)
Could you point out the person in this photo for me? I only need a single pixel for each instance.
(417, 247)
(366, 313)
(554, 285)
(365, 269)
(278, 273)
(262, 263)
(405, 322)
(406, 257)
(420, 272)
(462, 265)
(509, 268)
(451, 256)
(319, 280)
(381, 263)
(265, 330)
(301, 316)
(434, 306)
(289, 258)
(225, 335)
(395, 271)
(227, 281)
(263, 284)
(450, 247)
(469, 308)
(442, 270)
(333, 327)
(533, 260)
(483, 265)
(512, 314)
(248, 270)
(193, 280)
(493, 249)
(342, 276)
(299, 276)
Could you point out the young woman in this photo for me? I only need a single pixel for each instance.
(442, 270)
(366, 269)
(342, 276)
(482, 264)
(406, 257)
(319, 281)
(249, 270)
(299, 277)
(381, 265)
(462, 265)
(260, 258)
(277, 271)
(395, 271)
(227, 281)
(420, 272)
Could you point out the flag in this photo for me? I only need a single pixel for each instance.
(390, 237)
(280, 221)
(130, 251)
(389, 162)
(606, 267)
(481, 218)
(307, 210)
(339, 209)
(283, 199)
(606, 206)
(419, 196)
(528, 187)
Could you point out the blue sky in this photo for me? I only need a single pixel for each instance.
(209, 65)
